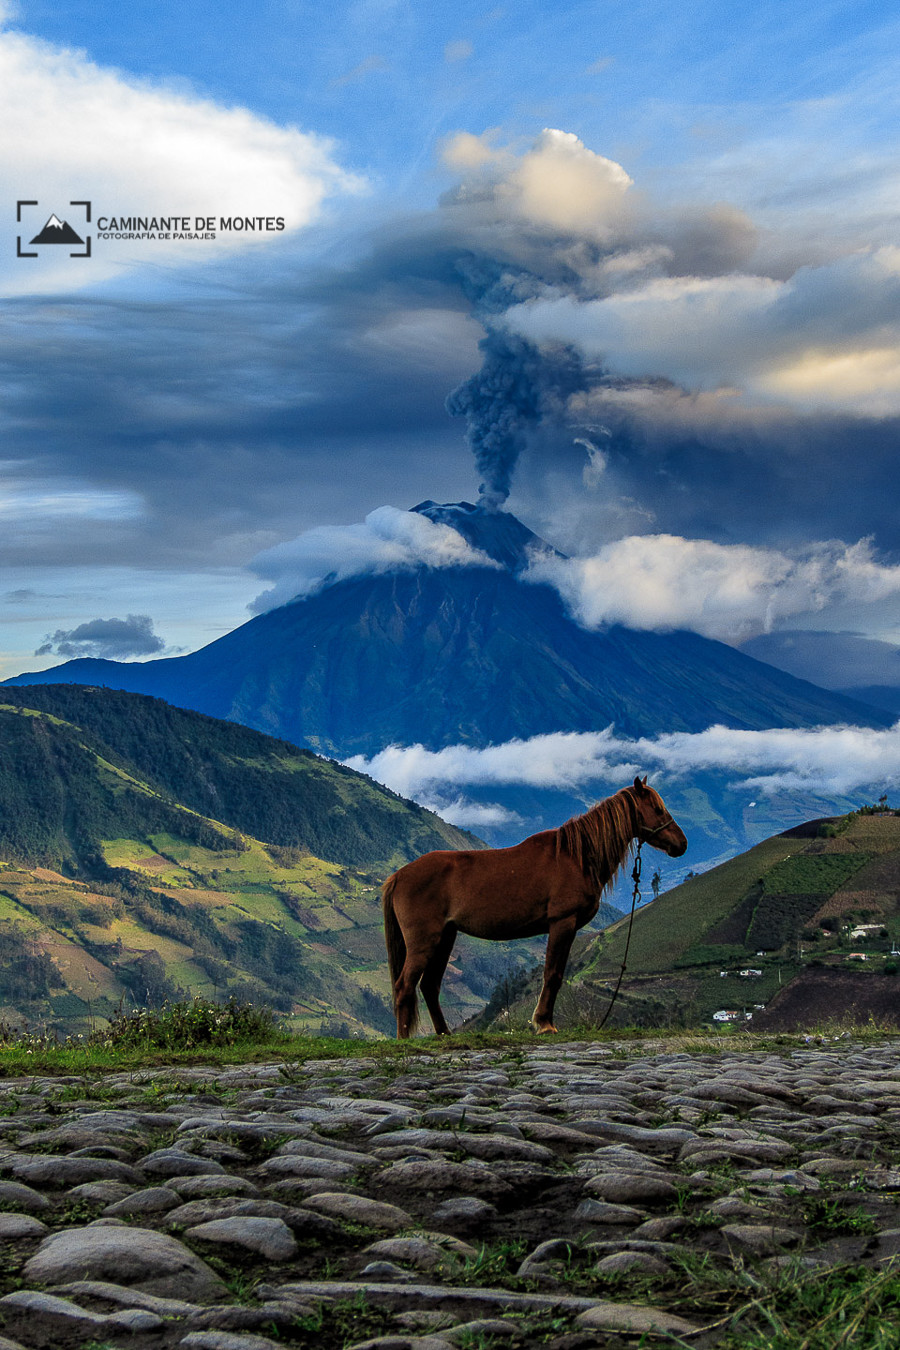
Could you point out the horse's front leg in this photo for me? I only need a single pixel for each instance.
(559, 944)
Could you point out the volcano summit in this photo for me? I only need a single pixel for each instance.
(462, 654)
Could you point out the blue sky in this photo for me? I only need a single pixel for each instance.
(697, 270)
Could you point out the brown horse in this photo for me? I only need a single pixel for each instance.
(550, 883)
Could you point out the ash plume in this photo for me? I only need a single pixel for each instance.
(510, 395)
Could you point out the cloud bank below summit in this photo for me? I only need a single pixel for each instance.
(724, 591)
(827, 761)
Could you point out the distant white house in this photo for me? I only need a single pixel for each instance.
(750, 971)
(729, 1015)
(865, 930)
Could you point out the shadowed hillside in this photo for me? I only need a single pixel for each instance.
(53, 805)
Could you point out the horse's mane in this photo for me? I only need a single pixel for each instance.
(601, 839)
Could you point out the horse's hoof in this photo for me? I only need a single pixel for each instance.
(545, 1031)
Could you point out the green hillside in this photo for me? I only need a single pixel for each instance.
(113, 892)
(817, 898)
(252, 782)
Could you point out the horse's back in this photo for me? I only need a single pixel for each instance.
(432, 867)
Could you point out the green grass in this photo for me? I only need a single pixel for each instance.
(804, 874)
(38, 1057)
(852, 1306)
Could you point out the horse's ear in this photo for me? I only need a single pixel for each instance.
(639, 786)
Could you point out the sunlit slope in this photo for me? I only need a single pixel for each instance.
(766, 899)
(113, 892)
(180, 919)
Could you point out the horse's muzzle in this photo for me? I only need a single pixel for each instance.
(674, 841)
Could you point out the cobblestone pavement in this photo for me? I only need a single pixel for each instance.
(569, 1194)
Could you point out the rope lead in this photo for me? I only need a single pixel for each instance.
(636, 895)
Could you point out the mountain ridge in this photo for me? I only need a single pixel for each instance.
(481, 656)
(463, 655)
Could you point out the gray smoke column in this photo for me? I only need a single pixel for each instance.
(511, 394)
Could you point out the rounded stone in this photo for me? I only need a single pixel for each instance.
(634, 1318)
(20, 1226)
(174, 1162)
(415, 1251)
(467, 1212)
(759, 1239)
(152, 1200)
(623, 1188)
(224, 1340)
(601, 1211)
(269, 1238)
(49, 1170)
(359, 1209)
(195, 1186)
(631, 1263)
(101, 1192)
(438, 1175)
(296, 1165)
(15, 1193)
(153, 1262)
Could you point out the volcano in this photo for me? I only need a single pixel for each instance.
(463, 655)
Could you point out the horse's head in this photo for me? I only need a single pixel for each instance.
(653, 824)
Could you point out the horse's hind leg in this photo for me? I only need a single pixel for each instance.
(559, 944)
(405, 1005)
(434, 973)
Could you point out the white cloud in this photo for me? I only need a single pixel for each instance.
(560, 759)
(460, 50)
(558, 184)
(825, 339)
(826, 760)
(471, 815)
(722, 591)
(829, 761)
(388, 540)
(74, 130)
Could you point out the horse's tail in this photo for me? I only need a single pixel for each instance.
(396, 946)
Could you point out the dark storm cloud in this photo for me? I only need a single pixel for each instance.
(230, 421)
(210, 425)
(115, 639)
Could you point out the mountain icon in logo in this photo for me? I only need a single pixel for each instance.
(57, 231)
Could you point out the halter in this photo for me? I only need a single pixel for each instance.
(669, 820)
